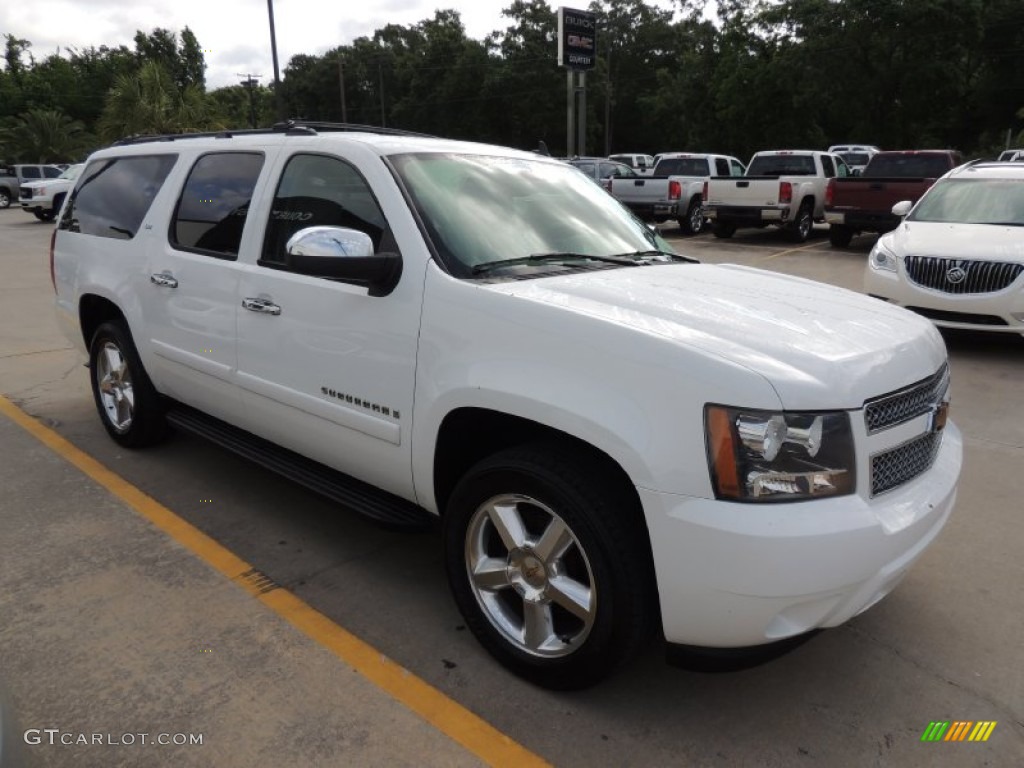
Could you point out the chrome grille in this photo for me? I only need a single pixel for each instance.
(903, 405)
(961, 276)
(903, 463)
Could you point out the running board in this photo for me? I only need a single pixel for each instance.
(370, 502)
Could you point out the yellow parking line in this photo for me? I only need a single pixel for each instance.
(448, 716)
(789, 250)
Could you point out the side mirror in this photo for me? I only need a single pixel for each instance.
(343, 254)
(902, 208)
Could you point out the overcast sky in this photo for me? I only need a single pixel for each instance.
(235, 34)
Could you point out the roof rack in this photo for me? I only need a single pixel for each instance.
(288, 128)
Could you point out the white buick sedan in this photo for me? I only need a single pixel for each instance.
(958, 256)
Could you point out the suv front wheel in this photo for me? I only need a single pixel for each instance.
(548, 567)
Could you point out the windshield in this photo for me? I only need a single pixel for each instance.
(682, 166)
(907, 166)
(479, 209)
(973, 201)
(781, 165)
(72, 172)
(855, 158)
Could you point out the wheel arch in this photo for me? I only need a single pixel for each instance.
(467, 435)
(93, 311)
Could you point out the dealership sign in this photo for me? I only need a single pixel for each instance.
(577, 39)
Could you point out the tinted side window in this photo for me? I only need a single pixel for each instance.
(213, 205)
(51, 173)
(828, 166)
(316, 190)
(113, 196)
(721, 166)
(31, 173)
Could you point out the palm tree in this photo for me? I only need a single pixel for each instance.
(44, 136)
(148, 102)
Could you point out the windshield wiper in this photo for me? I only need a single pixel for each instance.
(654, 254)
(546, 258)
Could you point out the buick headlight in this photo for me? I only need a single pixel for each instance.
(882, 258)
(778, 456)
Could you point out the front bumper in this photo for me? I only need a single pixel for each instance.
(733, 575)
(998, 312)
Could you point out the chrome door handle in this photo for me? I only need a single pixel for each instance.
(163, 278)
(261, 305)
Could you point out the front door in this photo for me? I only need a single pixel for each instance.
(324, 368)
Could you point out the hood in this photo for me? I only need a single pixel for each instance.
(819, 346)
(958, 241)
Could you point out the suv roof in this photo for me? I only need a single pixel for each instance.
(989, 169)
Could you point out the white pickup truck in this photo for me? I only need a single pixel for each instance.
(782, 187)
(614, 439)
(674, 191)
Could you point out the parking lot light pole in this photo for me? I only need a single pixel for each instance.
(273, 51)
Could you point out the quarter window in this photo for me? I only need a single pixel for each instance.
(31, 173)
(317, 190)
(212, 209)
(113, 195)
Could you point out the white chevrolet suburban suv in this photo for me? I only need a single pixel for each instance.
(615, 439)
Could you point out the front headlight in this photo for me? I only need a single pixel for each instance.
(882, 258)
(779, 456)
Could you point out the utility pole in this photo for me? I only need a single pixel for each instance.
(250, 84)
(277, 73)
(380, 80)
(341, 81)
(608, 106)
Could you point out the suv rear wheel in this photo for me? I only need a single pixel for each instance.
(5, 198)
(128, 404)
(547, 569)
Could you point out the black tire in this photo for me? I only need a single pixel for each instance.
(43, 215)
(693, 222)
(839, 235)
(128, 404)
(602, 550)
(724, 229)
(800, 228)
(5, 198)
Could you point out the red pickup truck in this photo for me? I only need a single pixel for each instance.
(864, 203)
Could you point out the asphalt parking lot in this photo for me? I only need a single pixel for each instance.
(115, 621)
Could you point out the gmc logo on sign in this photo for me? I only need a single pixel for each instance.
(580, 42)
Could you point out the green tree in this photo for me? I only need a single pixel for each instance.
(149, 102)
(44, 136)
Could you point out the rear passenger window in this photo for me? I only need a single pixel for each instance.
(30, 173)
(212, 209)
(827, 166)
(721, 166)
(113, 196)
(51, 173)
(316, 190)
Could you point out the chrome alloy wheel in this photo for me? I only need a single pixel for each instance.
(530, 575)
(114, 382)
(696, 219)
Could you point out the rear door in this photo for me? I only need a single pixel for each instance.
(189, 301)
